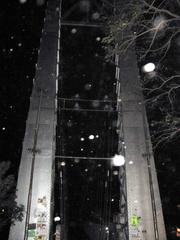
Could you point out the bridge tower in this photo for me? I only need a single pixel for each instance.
(36, 171)
(145, 217)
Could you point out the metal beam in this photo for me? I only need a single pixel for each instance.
(84, 158)
(81, 24)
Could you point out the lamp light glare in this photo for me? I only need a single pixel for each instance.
(57, 219)
(73, 30)
(22, 1)
(115, 173)
(63, 164)
(149, 67)
(91, 137)
(118, 160)
(131, 162)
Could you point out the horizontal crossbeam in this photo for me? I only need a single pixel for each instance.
(81, 24)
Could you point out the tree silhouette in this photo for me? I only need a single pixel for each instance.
(152, 28)
(9, 210)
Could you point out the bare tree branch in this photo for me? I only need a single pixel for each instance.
(152, 28)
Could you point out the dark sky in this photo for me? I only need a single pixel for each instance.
(20, 30)
(20, 34)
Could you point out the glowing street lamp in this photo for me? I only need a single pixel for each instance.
(118, 160)
(148, 67)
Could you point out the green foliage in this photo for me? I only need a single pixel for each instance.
(9, 210)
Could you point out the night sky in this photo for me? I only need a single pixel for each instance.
(20, 30)
(21, 26)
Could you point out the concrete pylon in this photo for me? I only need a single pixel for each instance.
(145, 217)
(35, 179)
